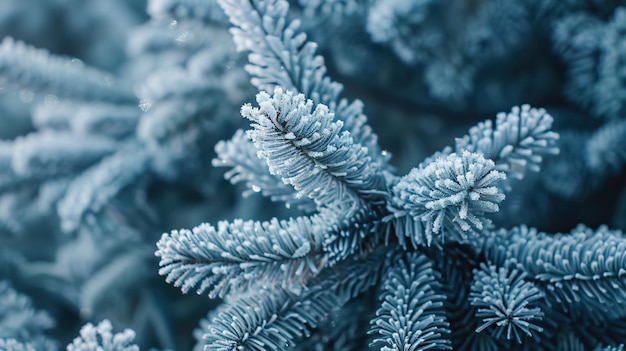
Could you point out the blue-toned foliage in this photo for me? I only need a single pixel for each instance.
(411, 316)
(356, 202)
(611, 348)
(595, 55)
(268, 320)
(451, 54)
(52, 154)
(111, 116)
(21, 325)
(505, 303)
(237, 254)
(307, 149)
(14, 345)
(581, 273)
(397, 23)
(282, 56)
(267, 317)
(208, 11)
(604, 152)
(333, 8)
(449, 195)
(245, 166)
(517, 143)
(101, 337)
(35, 69)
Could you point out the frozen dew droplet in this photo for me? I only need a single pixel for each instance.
(145, 105)
(256, 188)
(384, 152)
(76, 62)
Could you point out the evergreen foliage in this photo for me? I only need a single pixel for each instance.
(101, 337)
(411, 316)
(504, 299)
(118, 123)
(21, 325)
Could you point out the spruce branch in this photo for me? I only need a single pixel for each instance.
(581, 273)
(101, 337)
(94, 188)
(269, 320)
(235, 255)
(516, 143)
(241, 156)
(308, 150)
(11, 344)
(39, 71)
(412, 315)
(450, 195)
(281, 56)
(53, 154)
(274, 319)
(505, 302)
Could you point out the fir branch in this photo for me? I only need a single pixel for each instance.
(604, 151)
(51, 154)
(11, 344)
(240, 155)
(517, 142)
(569, 342)
(269, 320)
(95, 187)
(593, 51)
(179, 83)
(53, 116)
(262, 28)
(105, 119)
(342, 331)
(39, 71)
(101, 337)
(505, 302)
(353, 235)
(21, 323)
(397, 24)
(454, 264)
(272, 319)
(170, 119)
(9, 180)
(353, 276)
(581, 273)
(281, 56)
(234, 255)
(120, 273)
(450, 195)
(306, 148)
(575, 39)
(412, 315)
(88, 118)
